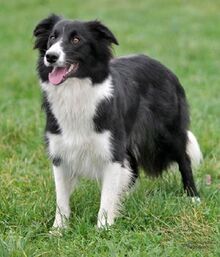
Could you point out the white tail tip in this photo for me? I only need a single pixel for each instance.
(193, 150)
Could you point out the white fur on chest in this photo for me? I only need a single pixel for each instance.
(74, 104)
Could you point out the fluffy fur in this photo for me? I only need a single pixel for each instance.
(110, 116)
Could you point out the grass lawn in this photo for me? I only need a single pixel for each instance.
(157, 220)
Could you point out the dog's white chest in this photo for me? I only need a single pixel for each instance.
(74, 105)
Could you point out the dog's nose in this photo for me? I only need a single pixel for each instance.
(52, 57)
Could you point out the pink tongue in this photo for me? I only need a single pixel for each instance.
(57, 75)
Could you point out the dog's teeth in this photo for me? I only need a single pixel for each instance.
(71, 67)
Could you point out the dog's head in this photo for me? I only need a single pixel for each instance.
(73, 49)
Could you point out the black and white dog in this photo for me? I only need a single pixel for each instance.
(108, 117)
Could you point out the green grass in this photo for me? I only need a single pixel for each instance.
(157, 220)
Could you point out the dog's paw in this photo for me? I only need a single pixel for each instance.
(102, 225)
(59, 226)
(60, 222)
(57, 232)
(196, 200)
(104, 222)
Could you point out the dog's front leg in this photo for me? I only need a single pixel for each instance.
(115, 182)
(64, 184)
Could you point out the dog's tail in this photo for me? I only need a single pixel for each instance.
(193, 150)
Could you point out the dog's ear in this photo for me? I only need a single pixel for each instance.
(42, 32)
(101, 32)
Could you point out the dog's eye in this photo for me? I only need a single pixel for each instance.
(75, 40)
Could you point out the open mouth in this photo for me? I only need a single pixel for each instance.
(59, 74)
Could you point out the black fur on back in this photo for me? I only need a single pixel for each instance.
(148, 115)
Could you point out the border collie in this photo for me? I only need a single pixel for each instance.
(107, 118)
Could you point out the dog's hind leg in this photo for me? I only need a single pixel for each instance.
(192, 158)
(187, 176)
(185, 150)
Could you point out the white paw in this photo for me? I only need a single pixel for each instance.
(196, 200)
(58, 226)
(55, 232)
(104, 221)
(60, 222)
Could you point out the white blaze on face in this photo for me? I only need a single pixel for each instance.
(56, 49)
